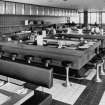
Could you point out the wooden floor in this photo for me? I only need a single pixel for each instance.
(91, 95)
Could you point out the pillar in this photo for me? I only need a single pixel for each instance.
(85, 18)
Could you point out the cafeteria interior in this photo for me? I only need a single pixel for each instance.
(52, 52)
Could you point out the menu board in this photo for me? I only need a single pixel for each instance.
(10, 8)
(2, 4)
(34, 10)
(19, 8)
(26, 9)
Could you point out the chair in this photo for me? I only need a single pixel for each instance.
(102, 56)
(1, 54)
(29, 58)
(67, 65)
(13, 56)
(46, 61)
(98, 63)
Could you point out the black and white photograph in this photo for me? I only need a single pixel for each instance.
(52, 52)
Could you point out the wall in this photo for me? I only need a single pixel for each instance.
(52, 20)
(12, 23)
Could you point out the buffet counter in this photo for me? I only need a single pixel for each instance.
(72, 51)
(86, 36)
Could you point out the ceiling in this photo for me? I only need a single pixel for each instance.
(81, 4)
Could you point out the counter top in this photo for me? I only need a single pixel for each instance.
(79, 57)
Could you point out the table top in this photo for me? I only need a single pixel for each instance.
(74, 35)
(33, 49)
(79, 56)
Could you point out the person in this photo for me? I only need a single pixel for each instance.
(101, 31)
(80, 30)
(39, 38)
(53, 30)
(97, 30)
(95, 24)
(92, 30)
(68, 30)
(31, 29)
(44, 32)
(32, 37)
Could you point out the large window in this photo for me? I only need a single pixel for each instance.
(89, 18)
(34, 10)
(81, 18)
(10, 8)
(103, 17)
(19, 9)
(93, 17)
(27, 9)
(2, 4)
(74, 19)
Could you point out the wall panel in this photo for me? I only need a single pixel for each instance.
(13, 23)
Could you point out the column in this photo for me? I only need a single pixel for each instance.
(85, 18)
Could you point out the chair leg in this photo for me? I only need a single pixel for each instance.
(102, 69)
(1, 54)
(98, 79)
(14, 57)
(29, 60)
(46, 64)
(67, 82)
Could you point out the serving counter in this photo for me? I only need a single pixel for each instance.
(86, 36)
(78, 56)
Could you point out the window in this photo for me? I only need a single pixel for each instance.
(2, 4)
(103, 17)
(10, 8)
